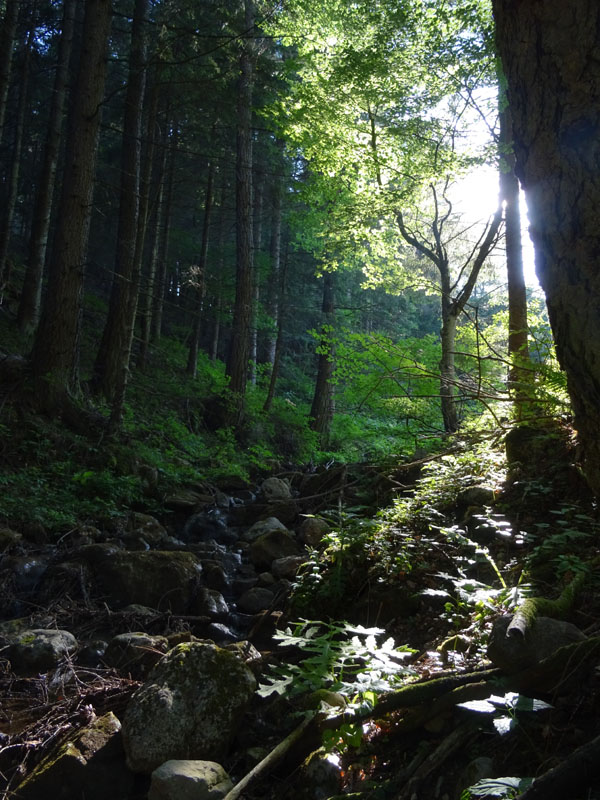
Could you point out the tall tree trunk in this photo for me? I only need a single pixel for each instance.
(8, 30)
(239, 351)
(519, 374)
(200, 278)
(447, 368)
(160, 284)
(112, 361)
(278, 349)
(218, 303)
(6, 224)
(55, 350)
(148, 279)
(29, 305)
(258, 227)
(321, 411)
(549, 52)
(274, 297)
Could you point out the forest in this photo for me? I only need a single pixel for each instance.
(299, 399)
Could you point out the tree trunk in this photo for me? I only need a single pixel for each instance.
(549, 54)
(159, 288)
(447, 370)
(29, 306)
(239, 351)
(321, 411)
(8, 30)
(55, 348)
(258, 227)
(149, 278)
(274, 297)
(518, 375)
(112, 361)
(200, 279)
(278, 349)
(15, 159)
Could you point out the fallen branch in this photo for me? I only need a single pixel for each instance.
(271, 759)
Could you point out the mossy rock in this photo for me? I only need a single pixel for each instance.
(190, 707)
(90, 765)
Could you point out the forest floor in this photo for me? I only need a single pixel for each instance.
(406, 597)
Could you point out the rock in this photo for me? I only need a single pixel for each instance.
(312, 530)
(287, 567)
(220, 633)
(92, 653)
(320, 775)
(189, 780)
(9, 539)
(89, 765)
(515, 652)
(475, 496)
(187, 500)
(164, 580)
(274, 489)
(255, 600)
(23, 572)
(189, 708)
(246, 651)
(285, 510)
(263, 526)
(39, 650)
(273, 545)
(210, 603)
(206, 525)
(135, 653)
(476, 770)
(215, 576)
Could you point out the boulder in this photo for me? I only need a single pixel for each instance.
(543, 637)
(275, 489)
(189, 708)
(89, 765)
(475, 496)
(164, 580)
(255, 600)
(312, 530)
(210, 603)
(263, 526)
(187, 500)
(271, 546)
(39, 650)
(135, 653)
(9, 539)
(287, 567)
(189, 780)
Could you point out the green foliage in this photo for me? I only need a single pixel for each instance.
(340, 657)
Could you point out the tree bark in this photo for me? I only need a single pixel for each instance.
(239, 350)
(55, 350)
(7, 38)
(549, 52)
(15, 158)
(321, 411)
(29, 305)
(274, 296)
(200, 278)
(518, 375)
(112, 361)
(278, 349)
(258, 226)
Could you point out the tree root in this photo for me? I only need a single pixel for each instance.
(541, 606)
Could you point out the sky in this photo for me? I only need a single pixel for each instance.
(477, 197)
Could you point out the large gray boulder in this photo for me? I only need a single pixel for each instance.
(189, 780)
(39, 650)
(189, 708)
(159, 579)
(275, 489)
(271, 546)
(263, 526)
(543, 637)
